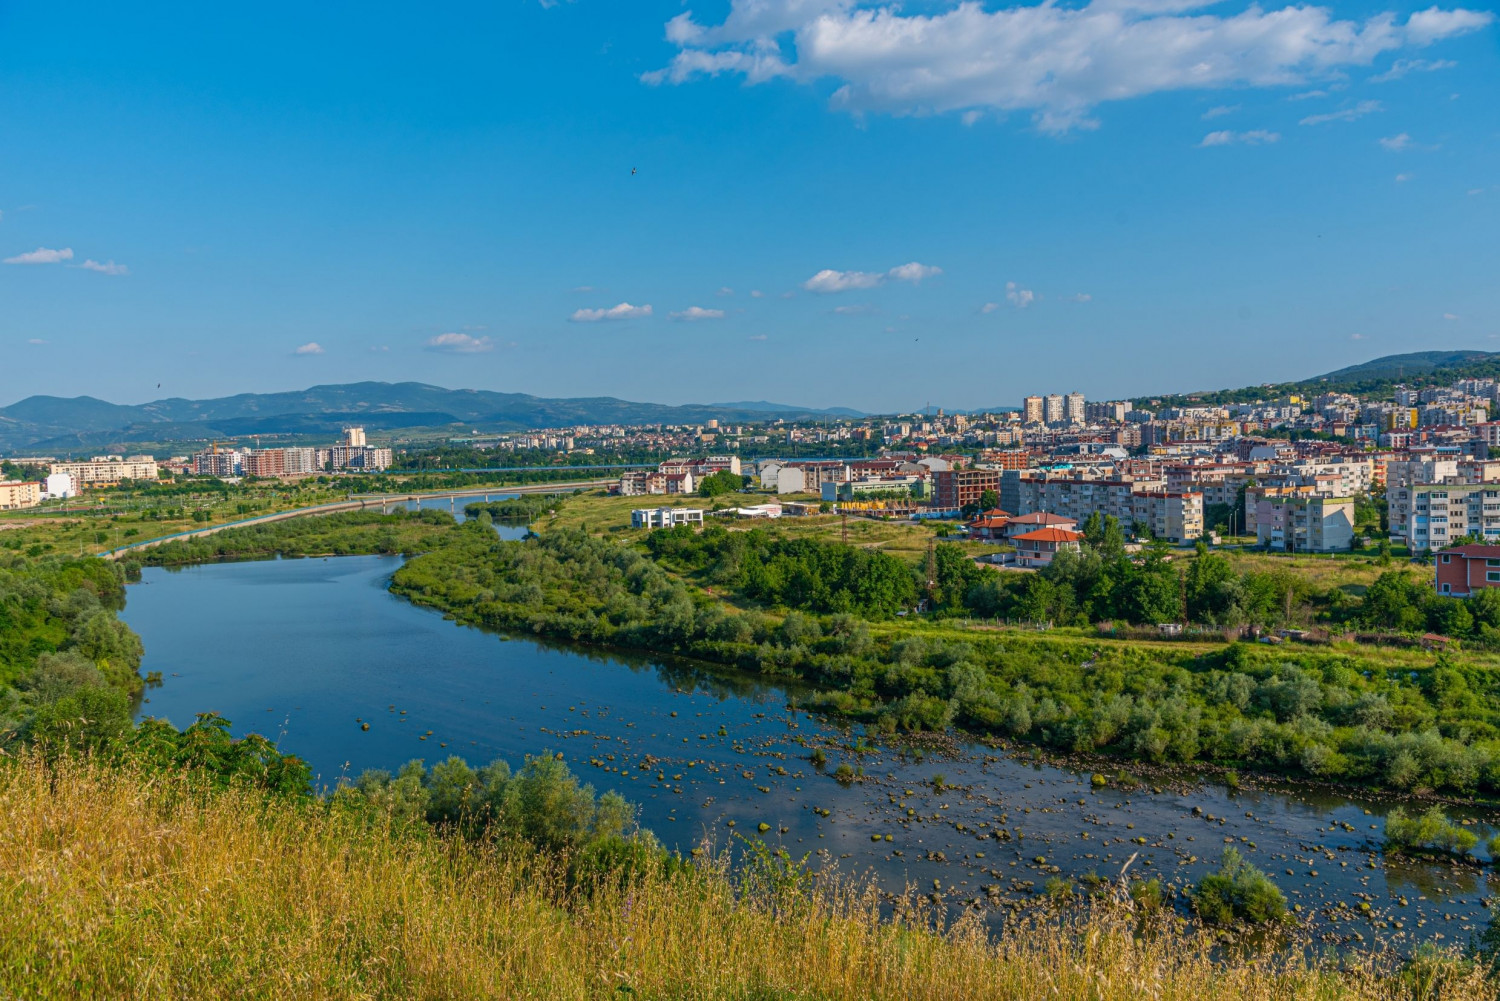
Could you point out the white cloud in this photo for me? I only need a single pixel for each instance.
(1356, 337)
(860, 310)
(725, 291)
(624, 311)
(914, 272)
(1401, 67)
(989, 307)
(460, 344)
(757, 337)
(1221, 110)
(105, 268)
(310, 348)
(42, 255)
(1080, 297)
(376, 349)
(1308, 95)
(1017, 296)
(757, 294)
(971, 117)
(35, 340)
(1476, 191)
(829, 280)
(693, 313)
(1396, 143)
(1055, 61)
(1349, 114)
(1254, 137)
(1450, 316)
(1403, 178)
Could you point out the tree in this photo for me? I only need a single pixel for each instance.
(989, 500)
(722, 482)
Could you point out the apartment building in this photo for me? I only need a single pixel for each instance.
(1076, 499)
(957, 488)
(107, 469)
(1297, 519)
(16, 494)
(1105, 413)
(1052, 409)
(1033, 410)
(1074, 406)
(1175, 517)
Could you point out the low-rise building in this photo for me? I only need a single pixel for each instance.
(16, 494)
(665, 517)
(1175, 517)
(1036, 549)
(1462, 570)
(107, 469)
(958, 488)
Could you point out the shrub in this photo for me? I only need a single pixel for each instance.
(1432, 831)
(1238, 891)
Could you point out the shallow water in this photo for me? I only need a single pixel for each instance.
(304, 651)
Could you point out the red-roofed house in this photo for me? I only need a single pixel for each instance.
(1036, 549)
(1463, 570)
(1023, 523)
(989, 526)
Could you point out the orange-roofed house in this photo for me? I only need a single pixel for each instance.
(1035, 550)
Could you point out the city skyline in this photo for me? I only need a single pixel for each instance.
(468, 199)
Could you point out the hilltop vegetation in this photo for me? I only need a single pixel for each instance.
(128, 885)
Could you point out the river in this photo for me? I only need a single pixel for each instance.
(306, 651)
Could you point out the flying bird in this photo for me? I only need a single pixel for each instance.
(632, 171)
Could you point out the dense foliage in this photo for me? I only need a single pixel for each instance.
(1318, 713)
(347, 533)
(521, 506)
(1430, 831)
(793, 573)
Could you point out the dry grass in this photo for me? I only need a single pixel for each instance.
(118, 886)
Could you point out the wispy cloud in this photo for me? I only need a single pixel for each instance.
(1450, 316)
(1396, 143)
(1017, 296)
(725, 291)
(1356, 337)
(457, 343)
(624, 311)
(829, 280)
(1080, 297)
(35, 340)
(1349, 114)
(695, 313)
(1308, 95)
(104, 267)
(989, 307)
(1058, 62)
(1254, 137)
(310, 348)
(1403, 178)
(859, 310)
(1220, 111)
(42, 255)
(1401, 67)
(757, 337)
(756, 293)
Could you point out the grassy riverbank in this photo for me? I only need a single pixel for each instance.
(352, 533)
(1396, 719)
(123, 886)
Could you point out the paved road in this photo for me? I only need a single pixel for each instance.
(373, 500)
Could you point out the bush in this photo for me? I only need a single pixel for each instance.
(1238, 892)
(1432, 831)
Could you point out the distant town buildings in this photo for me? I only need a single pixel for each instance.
(105, 470)
(665, 517)
(16, 494)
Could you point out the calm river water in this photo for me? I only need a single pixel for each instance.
(304, 651)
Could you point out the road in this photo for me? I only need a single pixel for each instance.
(359, 504)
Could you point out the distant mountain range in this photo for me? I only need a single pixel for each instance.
(55, 425)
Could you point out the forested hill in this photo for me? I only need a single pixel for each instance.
(1372, 378)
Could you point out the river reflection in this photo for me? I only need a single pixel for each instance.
(305, 651)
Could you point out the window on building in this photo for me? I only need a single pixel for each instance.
(1447, 558)
(1493, 576)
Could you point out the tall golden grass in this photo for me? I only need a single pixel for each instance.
(118, 884)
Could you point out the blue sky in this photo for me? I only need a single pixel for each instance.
(836, 203)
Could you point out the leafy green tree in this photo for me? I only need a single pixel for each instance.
(720, 483)
(989, 500)
(1238, 891)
